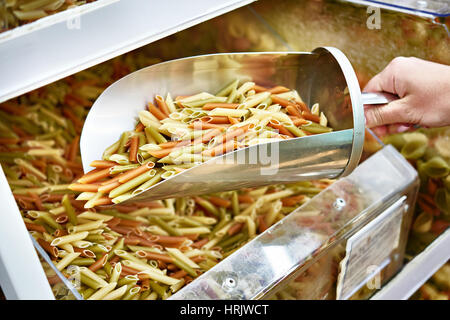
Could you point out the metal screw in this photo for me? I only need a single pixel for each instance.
(339, 204)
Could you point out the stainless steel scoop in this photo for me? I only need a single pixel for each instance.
(324, 76)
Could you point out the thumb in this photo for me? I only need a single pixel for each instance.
(393, 112)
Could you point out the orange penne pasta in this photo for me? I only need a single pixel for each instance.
(135, 172)
(155, 256)
(133, 148)
(51, 250)
(102, 164)
(200, 125)
(211, 106)
(73, 149)
(92, 177)
(177, 98)
(235, 228)
(9, 141)
(162, 105)
(245, 198)
(293, 111)
(102, 201)
(156, 112)
(221, 149)
(278, 89)
(281, 129)
(233, 134)
(298, 121)
(139, 127)
(82, 187)
(215, 119)
(233, 120)
(169, 239)
(99, 263)
(172, 144)
(116, 178)
(302, 106)
(34, 227)
(262, 225)
(161, 153)
(208, 136)
(259, 88)
(309, 116)
(280, 101)
(219, 201)
(291, 201)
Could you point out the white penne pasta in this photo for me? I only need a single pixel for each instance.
(102, 292)
(197, 97)
(170, 104)
(274, 108)
(188, 158)
(282, 117)
(151, 272)
(221, 232)
(323, 120)
(193, 253)
(91, 202)
(45, 152)
(150, 147)
(69, 238)
(194, 230)
(122, 197)
(39, 143)
(30, 168)
(151, 211)
(129, 257)
(86, 226)
(168, 174)
(198, 147)
(119, 158)
(94, 216)
(81, 244)
(204, 220)
(157, 230)
(246, 86)
(179, 255)
(57, 210)
(228, 112)
(315, 109)
(67, 247)
(211, 243)
(254, 100)
(64, 262)
(116, 294)
(177, 116)
(273, 212)
(148, 119)
(277, 195)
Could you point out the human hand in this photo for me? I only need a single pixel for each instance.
(424, 91)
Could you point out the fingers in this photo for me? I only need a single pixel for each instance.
(386, 79)
(393, 112)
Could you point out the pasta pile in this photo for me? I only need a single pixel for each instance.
(428, 150)
(18, 12)
(201, 126)
(140, 251)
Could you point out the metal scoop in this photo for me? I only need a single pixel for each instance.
(324, 76)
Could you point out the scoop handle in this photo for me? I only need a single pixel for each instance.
(370, 98)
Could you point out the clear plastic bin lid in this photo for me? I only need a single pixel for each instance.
(258, 267)
(440, 8)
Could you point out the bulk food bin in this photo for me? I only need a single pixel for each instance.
(325, 268)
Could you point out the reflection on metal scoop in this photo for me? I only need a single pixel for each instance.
(324, 76)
